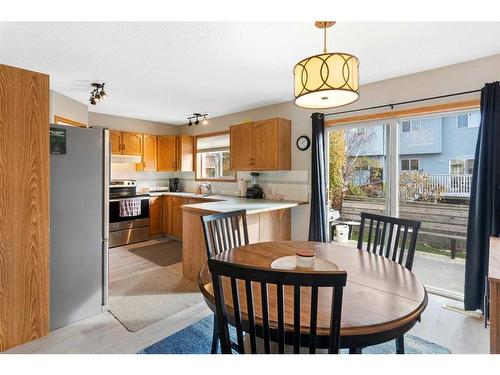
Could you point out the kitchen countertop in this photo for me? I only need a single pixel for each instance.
(225, 203)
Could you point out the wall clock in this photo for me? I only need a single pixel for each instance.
(303, 142)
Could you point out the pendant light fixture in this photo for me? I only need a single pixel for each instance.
(328, 79)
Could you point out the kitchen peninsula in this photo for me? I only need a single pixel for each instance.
(267, 220)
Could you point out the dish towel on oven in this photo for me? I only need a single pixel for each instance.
(130, 207)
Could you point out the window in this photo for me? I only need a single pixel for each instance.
(410, 164)
(461, 166)
(405, 126)
(213, 161)
(410, 126)
(360, 131)
(468, 120)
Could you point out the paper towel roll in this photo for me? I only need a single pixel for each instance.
(242, 187)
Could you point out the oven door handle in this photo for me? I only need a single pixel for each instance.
(119, 199)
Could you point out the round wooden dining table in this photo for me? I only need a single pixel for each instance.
(382, 299)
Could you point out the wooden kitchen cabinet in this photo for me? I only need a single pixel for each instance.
(167, 153)
(132, 143)
(24, 206)
(241, 147)
(149, 155)
(155, 215)
(177, 216)
(261, 145)
(172, 215)
(124, 143)
(185, 150)
(116, 141)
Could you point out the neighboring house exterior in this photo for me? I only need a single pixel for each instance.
(439, 146)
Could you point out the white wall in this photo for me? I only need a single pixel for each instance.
(132, 124)
(61, 105)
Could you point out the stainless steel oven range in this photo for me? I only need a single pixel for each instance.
(128, 214)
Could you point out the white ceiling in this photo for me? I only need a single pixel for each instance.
(166, 71)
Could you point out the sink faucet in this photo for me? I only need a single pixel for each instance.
(207, 187)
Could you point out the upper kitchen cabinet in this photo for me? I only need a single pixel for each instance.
(124, 143)
(149, 155)
(185, 149)
(167, 153)
(132, 143)
(116, 141)
(261, 145)
(241, 147)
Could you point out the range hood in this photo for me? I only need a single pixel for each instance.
(133, 159)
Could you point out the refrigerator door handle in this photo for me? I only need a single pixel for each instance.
(105, 226)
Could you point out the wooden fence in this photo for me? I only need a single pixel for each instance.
(443, 225)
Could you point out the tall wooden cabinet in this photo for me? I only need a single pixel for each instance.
(167, 153)
(261, 145)
(24, 206)
(185, 149)
(149, 154)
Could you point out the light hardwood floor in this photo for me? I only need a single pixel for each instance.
(104, 334)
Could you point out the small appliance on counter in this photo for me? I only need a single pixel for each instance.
(173, 184)
(254, 191)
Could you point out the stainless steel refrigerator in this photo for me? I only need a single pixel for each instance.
(79, 190)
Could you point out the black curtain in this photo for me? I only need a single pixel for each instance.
(484, 209)
(317, 221)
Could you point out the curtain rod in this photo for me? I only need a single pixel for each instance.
(402, 103)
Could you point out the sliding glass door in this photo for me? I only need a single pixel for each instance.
(416, 168)
(359, 173)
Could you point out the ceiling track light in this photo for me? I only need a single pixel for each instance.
(97, 94)
(196, 117)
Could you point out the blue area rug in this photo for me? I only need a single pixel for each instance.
(197, 339)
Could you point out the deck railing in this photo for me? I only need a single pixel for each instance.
(453, 185)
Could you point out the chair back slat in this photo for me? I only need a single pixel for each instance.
(313, 323)
(222, 317)
(296, 319)
(281, 318)
(334, 345)
(382, 240)
(377, 236)
(263, 281)
(237, 315)
(389, 243)
(395, 243)
(369, 243)
(251, 316)
(402, 247)
(224, 231)
(265, 317)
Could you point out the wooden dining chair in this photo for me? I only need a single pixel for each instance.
(263, 290)
(222, 232)
(393, 238)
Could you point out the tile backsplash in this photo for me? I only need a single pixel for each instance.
(124, 171)
(293, 185)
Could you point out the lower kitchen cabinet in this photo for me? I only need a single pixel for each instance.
(155, 214)
(172, 215)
